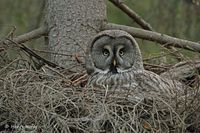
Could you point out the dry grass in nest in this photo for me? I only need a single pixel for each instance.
(49, 100)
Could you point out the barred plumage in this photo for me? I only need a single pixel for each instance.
(128, 71)
(114, 62)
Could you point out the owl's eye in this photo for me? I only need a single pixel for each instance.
(105, 52)
(121, 52)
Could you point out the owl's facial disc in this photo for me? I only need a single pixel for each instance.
(112, 55)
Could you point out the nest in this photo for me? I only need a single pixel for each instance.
(53, 100)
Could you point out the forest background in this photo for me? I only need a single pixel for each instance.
(177, 18)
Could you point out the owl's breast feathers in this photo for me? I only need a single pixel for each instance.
(142, 82)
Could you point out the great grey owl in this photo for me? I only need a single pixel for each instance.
(114, 61)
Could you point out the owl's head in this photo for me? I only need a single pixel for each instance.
(113, 51)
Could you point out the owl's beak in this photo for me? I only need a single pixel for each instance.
(114, 63)
(113, 66)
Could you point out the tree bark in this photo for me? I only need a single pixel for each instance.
(72, 23)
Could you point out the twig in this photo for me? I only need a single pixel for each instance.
(132, 14)
(5, 68)
(55, 71)
(155, 66)
(51, 52)
(156, 37)
(79, 80)
(11, 33)
(174, 52)
(30, 52)
(158, 56)
(27, 36)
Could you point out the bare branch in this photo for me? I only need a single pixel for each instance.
(138, 19)
(28, 36)
(163, 39)
(132, 14)
(30, 52)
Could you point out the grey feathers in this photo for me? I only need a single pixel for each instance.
(114, 60)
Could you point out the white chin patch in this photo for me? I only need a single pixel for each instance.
(102, 71)
(121, 70)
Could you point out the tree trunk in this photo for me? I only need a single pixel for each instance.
(72, 23)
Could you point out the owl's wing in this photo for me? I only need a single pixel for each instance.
(150, 82)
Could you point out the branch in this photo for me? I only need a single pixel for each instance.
(27, 36)
(30, 52)
(163, 39)
(142, 23)
(132, 14)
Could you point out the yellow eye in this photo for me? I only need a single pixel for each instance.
(121, 52)
(105, 52)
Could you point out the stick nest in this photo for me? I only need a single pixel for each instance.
(53, 100)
